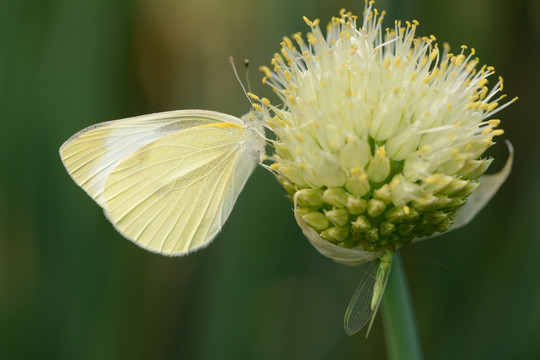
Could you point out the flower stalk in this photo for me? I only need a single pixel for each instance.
(400, 330)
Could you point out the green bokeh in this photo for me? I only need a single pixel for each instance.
(72, 288)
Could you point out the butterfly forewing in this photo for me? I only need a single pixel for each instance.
(90, 155)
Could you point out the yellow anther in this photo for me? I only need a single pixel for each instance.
(397, 61)
(253, 96)
(264, 79)
(424, 61)
(432, 37)
(446, 46)
(287, 75)
(492, 106)
(481, 83)
(266, 71)
(433, 54)
(483, 92)
(288, 41)
(464, 47)
(265, 101)
(285, 54)
(413, 75)
(316, 22)
(307, 21)
(501, 81)
(415, 22)
(257, 107)
(498, 132)
(494, 122)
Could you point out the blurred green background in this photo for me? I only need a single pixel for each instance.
(72, 288)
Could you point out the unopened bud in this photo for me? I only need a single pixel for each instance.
(316, 220)
(339, 217)
(335, 197)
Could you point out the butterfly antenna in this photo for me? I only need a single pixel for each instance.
(231, 61)
(246, 67)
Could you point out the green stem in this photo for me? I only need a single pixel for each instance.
(401, 333)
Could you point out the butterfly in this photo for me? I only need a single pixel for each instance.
(167, 181)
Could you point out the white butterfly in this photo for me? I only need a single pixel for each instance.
(166, 181)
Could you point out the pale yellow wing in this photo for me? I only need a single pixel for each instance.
(90, 155)
(166, 181)
(173, 195)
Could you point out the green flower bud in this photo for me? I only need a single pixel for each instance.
(454, 186)
(361, 224)
(383, 194)
(467, 190)
(375, 207)
(310, 197)
(395, 215)
(338, 217)
(405, 229)
(356, 205)
(316, 220)
(386, 228)
(335, 234)
(335, 197)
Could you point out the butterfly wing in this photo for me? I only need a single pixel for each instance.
(166, 181)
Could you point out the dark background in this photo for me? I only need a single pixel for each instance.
(72, 288)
